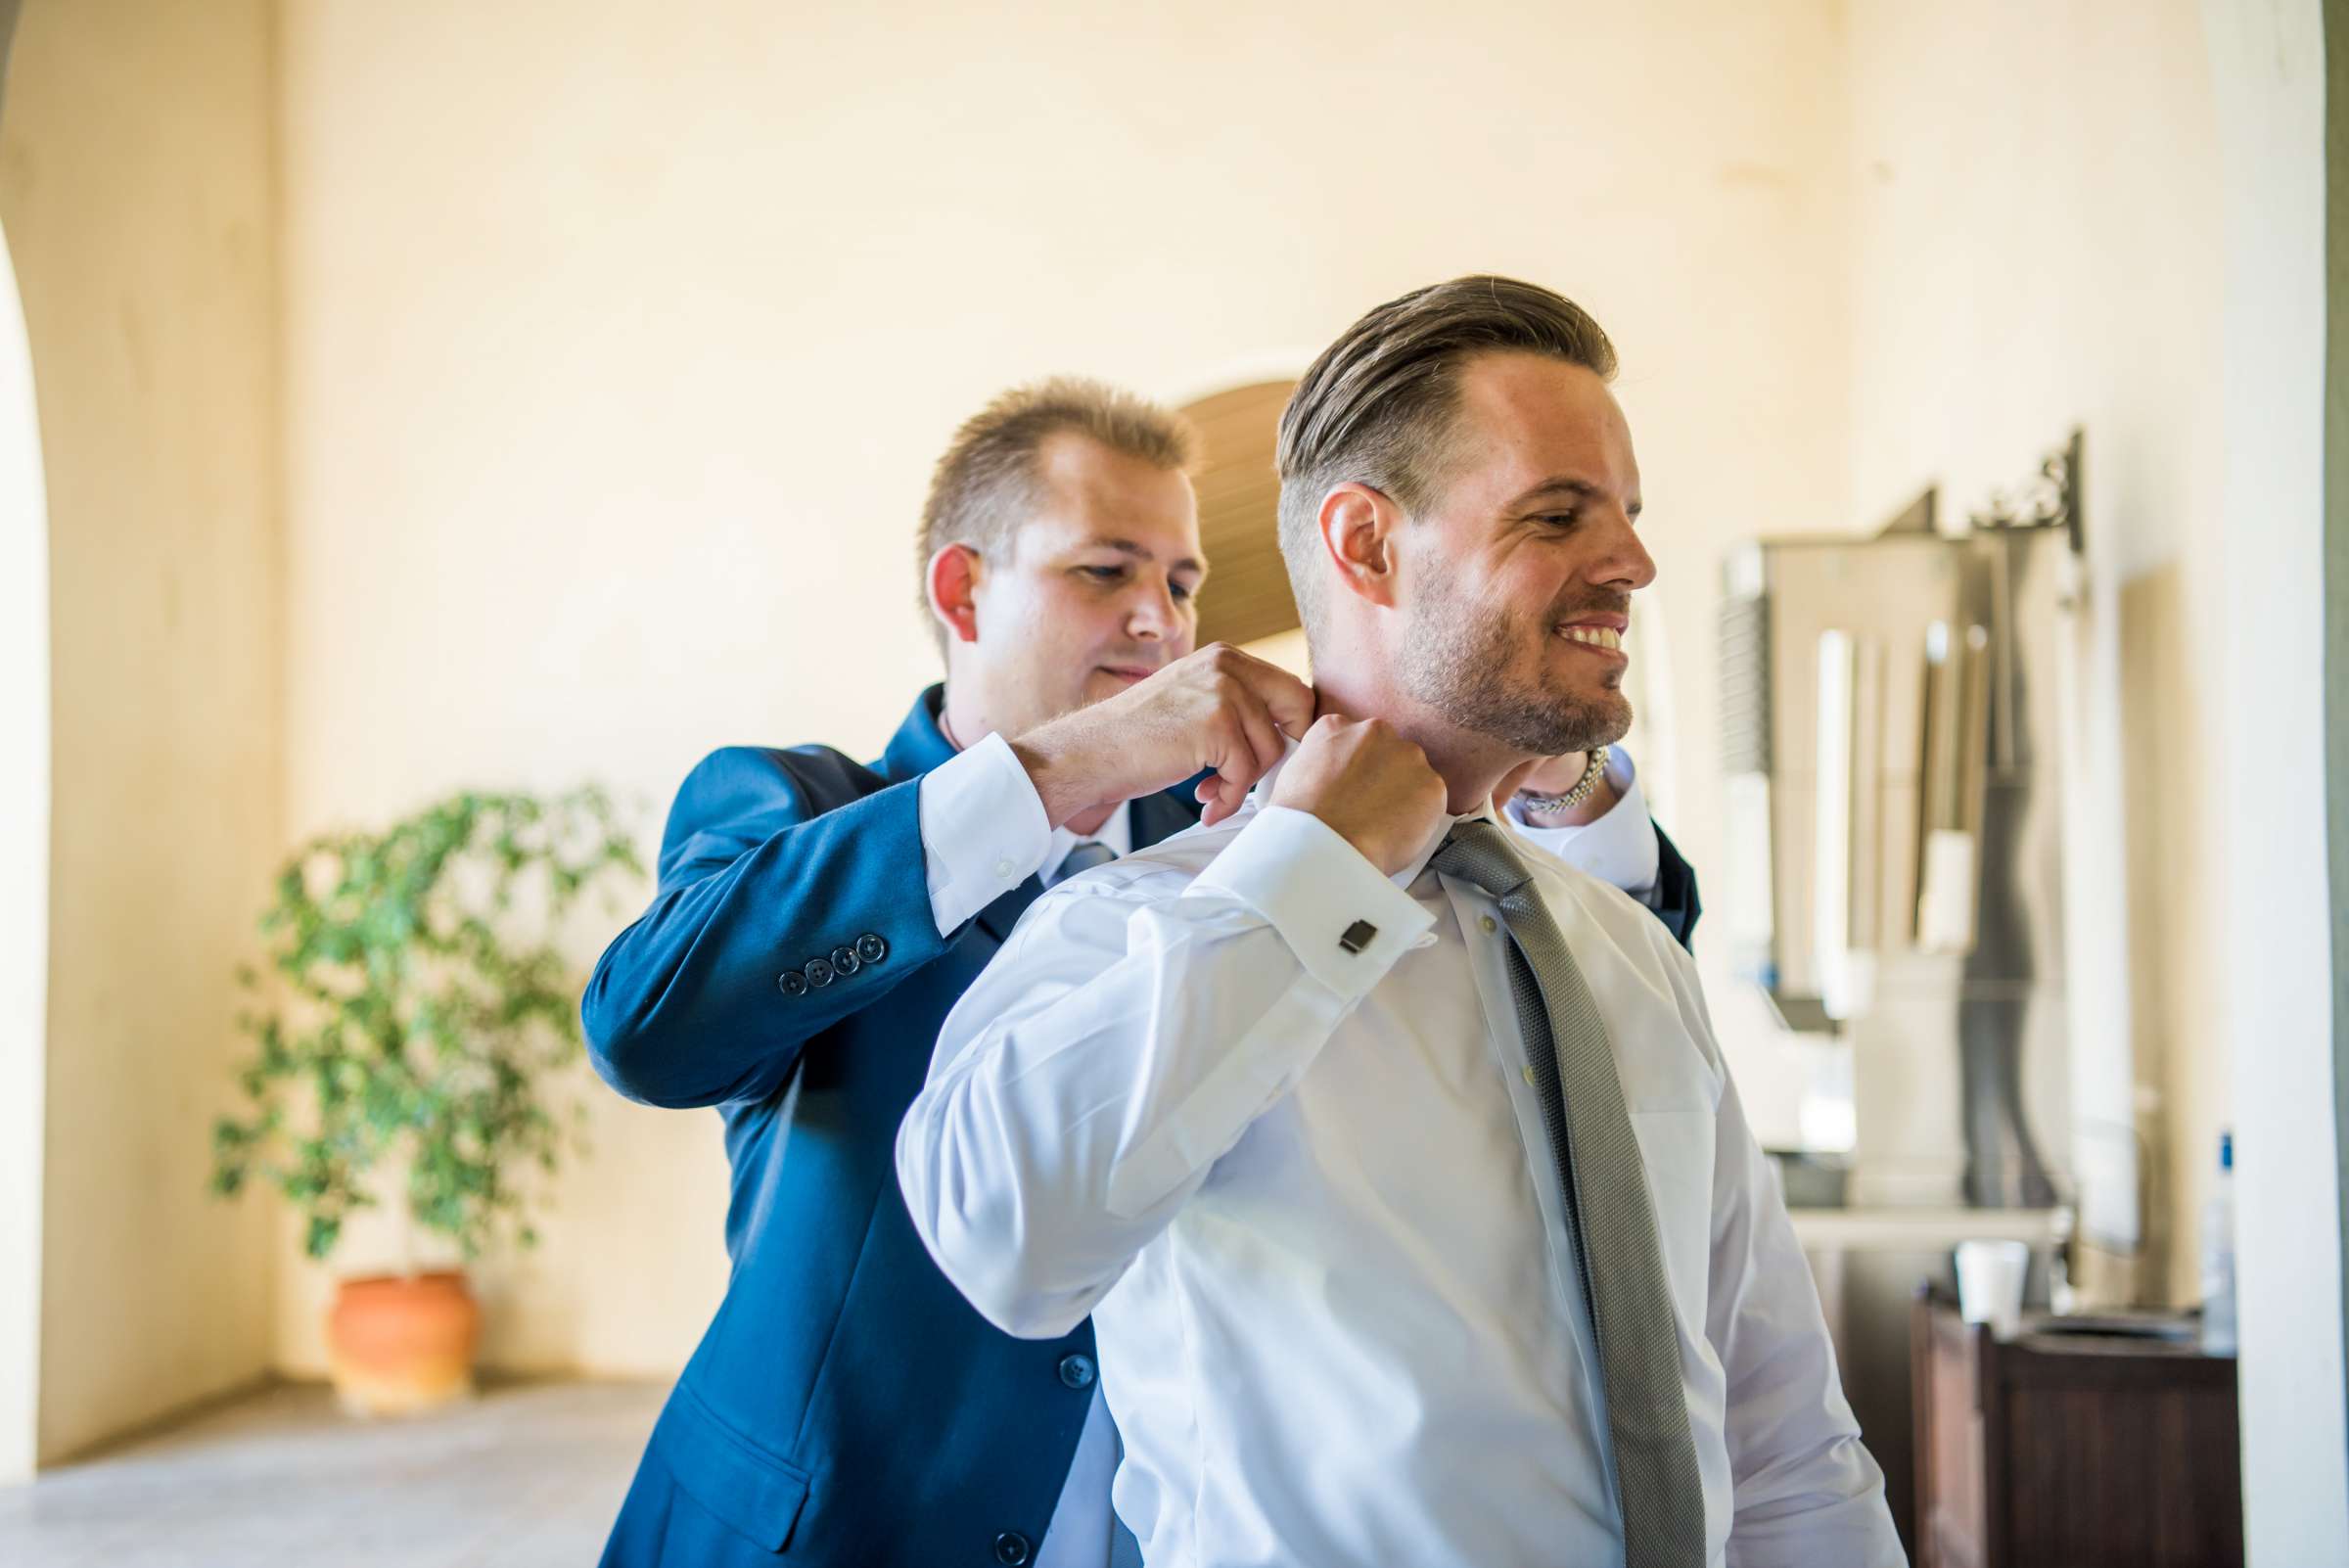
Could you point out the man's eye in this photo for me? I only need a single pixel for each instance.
(1181, 590)
(1103, 573)
(1562, 520)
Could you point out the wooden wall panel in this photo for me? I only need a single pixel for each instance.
(1247, 594)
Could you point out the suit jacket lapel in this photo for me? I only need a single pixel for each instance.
(1160, 816)
(998, 917)
(919, 745)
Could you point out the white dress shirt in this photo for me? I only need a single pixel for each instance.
(1306, 1195)
(984, 833)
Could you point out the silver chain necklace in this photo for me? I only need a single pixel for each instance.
(1537, 804)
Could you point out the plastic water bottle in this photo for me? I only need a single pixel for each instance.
(2218, 1255)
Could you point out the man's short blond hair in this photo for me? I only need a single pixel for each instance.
(986, 485)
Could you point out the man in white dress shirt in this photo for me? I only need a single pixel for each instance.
(1267, 1099)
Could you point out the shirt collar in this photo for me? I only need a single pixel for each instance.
(1435, 841)
(1261, 796)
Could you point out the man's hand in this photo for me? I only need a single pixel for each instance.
(1373, 787)
(1218, 709)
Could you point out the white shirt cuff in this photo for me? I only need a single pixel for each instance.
(1345, 920)
(1619, 848)
(983, 830)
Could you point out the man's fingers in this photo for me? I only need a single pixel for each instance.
(1218, 798)
(1256, 727)
(1241, 742)
(1234, 781)
(1288, 699)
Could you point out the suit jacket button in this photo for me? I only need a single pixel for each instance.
(820, 973)
(845, 961)
(792, 982)
(1012, 1548)
(872, 949)
(1076, 1370)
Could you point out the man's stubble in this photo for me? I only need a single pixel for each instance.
(1460, 659)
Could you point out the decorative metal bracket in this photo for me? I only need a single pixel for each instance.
(2050, 499)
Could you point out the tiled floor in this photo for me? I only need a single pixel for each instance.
(528, 1476)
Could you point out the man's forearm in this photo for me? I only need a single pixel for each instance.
(708, 996)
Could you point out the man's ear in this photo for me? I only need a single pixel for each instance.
(953, 585)
(1358, 526)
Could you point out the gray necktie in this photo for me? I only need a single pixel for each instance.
(1605, 1185)
(1081, 858)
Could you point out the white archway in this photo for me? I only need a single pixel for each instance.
(23, 881)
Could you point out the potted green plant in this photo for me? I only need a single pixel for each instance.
(415, 1028)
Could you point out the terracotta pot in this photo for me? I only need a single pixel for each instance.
(403, 1343)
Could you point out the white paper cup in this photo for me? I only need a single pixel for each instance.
(1989, 1284)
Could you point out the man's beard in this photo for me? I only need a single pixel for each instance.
(1459, 658)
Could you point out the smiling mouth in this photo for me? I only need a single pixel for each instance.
(1599, 639)
(1128, 673)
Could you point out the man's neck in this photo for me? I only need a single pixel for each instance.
(962, 714)
(1471, 767)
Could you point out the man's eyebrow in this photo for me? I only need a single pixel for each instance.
(1141, 552)
(1564, 485)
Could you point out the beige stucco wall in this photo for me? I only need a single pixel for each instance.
(619, 341)
(2034, 246)
(135, 190)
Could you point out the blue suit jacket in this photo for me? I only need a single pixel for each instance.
(845, 1406)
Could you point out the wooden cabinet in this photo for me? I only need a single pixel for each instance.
(2065, 1451)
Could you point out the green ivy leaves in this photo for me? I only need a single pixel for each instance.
(419, 1004)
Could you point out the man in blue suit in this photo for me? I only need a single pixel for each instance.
(814, 922)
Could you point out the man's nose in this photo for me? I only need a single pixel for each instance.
(1152, 615)
(1622, 562)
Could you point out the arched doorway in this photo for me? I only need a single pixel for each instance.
(24, 880)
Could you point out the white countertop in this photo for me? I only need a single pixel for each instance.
(1920, 1229)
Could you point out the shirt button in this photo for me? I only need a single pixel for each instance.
(1529, 1077)
(1076, 1370)
(1487, 922)
(792, 982)
(1012, 1548)
(819, 972)
(872, 949)
(845, 960)
(1003, 869)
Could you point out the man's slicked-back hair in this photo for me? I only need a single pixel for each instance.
(1377, 407)
(986, 485)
